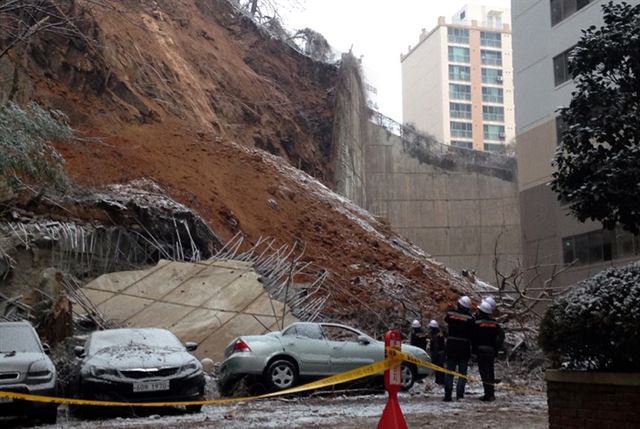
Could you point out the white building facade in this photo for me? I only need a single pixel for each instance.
(457, 82)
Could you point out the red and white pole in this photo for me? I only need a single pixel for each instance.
(392, 417)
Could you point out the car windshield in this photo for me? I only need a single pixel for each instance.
(19, 339)
(131, 338)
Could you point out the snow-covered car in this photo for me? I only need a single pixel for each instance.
(307, 350)
(26, 368)
(139, 365)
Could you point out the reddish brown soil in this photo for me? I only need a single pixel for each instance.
(172, 106)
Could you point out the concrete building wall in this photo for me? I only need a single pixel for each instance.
(545, 221)
(456, 204)
(422, 76)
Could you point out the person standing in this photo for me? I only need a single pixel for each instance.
(436, 349)
(460, 324)
(418, 337)
(487, 339)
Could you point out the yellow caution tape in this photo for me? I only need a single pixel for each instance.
(394, 357)
(344, 377)
(395, 354)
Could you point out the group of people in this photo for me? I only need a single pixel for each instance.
(467, 333)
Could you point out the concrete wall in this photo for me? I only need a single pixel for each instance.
(453, 203)
(350, 132)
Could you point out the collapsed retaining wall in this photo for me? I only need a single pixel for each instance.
(350, 132)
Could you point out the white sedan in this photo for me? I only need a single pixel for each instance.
(308, 350)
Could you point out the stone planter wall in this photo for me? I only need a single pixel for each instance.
(600, 400)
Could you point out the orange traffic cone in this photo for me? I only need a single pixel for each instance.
(392, 417)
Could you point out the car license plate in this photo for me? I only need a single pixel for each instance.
(151, 386)
(4, 400)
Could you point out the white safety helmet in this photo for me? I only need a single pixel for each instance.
(492, 302)
(415, 324)
(465, 301)
(485, 307)
(433, 324)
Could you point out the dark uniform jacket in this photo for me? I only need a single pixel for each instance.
(461, 328)
(418, 338)
(436, 345)
(488, 335)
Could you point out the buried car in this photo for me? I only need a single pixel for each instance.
(308, 350)
(139, 365)
(25, 368)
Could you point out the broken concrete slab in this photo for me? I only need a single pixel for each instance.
(210, 302)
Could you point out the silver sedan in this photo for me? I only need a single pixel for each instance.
(308, 350)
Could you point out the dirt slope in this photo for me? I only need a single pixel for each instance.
(179, 91)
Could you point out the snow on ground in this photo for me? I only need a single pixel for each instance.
(422, 407)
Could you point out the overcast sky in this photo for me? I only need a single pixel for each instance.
(379, 30)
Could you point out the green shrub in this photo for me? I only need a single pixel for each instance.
(596, 326)
(25, 151)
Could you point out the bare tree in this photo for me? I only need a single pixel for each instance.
(21, 20)
(313, 44)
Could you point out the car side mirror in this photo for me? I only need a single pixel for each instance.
(79, 351)
(46, 348)
(191, 346)
(363, 340)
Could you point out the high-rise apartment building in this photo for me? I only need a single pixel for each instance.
(544, 31)
(457, 82)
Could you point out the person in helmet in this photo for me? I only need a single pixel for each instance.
(491, 302)
(436, 348)
(460, 323)
(418, 337)
(487, 339)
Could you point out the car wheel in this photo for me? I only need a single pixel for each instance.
(408, 377)
(193, 409)
(282, 374)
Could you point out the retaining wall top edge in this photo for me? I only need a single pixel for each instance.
(591, 377)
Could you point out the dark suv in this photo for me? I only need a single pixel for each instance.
(25, 368)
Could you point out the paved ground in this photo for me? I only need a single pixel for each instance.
(421, 409)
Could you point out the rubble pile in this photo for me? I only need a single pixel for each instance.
(235, 127)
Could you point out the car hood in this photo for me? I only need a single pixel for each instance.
(415, 351)
(132, 357)
(20, 362)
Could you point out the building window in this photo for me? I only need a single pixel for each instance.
(493, 113)
(458, 54)
(492, 95)
(562, 9)
(461, 129)
(561, 67)
(561, 127)
(459, 92)
(491, 58)
(491, 76)
(599, 246)
(462, 144)
(493, 132)
(459, 72)
(491, 39)
(458, 35)
(494, 147)
(460, 110)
